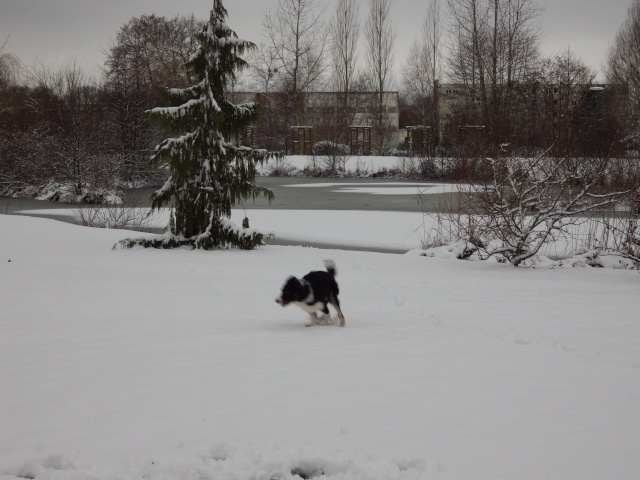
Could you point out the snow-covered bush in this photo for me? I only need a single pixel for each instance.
(523, 204)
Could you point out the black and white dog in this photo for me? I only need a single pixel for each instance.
(313, 292)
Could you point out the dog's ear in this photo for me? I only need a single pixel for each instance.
(291, 282)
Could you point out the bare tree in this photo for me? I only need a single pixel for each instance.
(623, 64)
(265, 76)
(432, 35)
(380, 35)
(263, 68)
(81, 132)
(623, 70)
(155, 48)
(148, 52)
(9, 66)
(345, 31)
(566, 80)
(417, 79)
(423, 67)
(297, 35)
(9, 69)
(494, 47)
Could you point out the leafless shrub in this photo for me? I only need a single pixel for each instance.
(617, 233)
(333, 156)
(524, 205)
(423, 166)
(449, 223)
(120, 216)
(280, 167)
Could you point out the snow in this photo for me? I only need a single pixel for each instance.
(123, 364)
(398, 232)
(397, 188)
(354, 164)
(179, 111)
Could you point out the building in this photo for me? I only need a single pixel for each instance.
(295, 125)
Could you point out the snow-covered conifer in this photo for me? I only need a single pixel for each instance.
(208, 174)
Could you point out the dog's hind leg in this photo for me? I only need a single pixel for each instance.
(336, 304)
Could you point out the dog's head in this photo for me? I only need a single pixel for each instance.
(293, 290)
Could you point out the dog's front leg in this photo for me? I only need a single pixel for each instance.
(313, 320)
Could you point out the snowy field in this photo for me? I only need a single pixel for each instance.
(131, 364)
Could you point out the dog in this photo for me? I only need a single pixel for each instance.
(313, 293)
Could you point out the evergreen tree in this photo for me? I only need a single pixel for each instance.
(208, 174)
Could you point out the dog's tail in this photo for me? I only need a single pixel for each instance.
(331, 267)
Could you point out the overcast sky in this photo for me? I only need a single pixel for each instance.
(53, 31)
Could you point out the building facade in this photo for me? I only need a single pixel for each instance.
(363, 121)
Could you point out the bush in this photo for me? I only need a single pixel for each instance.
(330, 149)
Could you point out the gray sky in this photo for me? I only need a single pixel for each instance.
(53, 31)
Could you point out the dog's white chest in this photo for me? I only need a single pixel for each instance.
(309, 308)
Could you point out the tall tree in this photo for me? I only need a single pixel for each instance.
(568, 80)
(208, 174)
(266, 75)
(495, 45)
(432, 34)
(9, 66)
(148, 52)
(423, 67)
(380, 35)
(345, 31)
(298, 35)
(623, 69)
(623, 62)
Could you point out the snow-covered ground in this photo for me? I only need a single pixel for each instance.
(129, 364)
(398, 232)
(401, 231)
(388, 188)
(354, 165)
